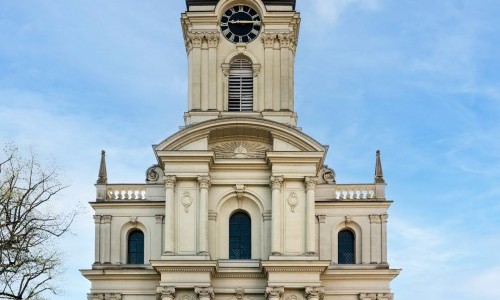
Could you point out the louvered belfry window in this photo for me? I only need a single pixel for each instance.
(346, 247)
(240, 85)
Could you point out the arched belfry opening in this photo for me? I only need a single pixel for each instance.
(240, 85)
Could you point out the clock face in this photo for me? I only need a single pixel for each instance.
(240, 24)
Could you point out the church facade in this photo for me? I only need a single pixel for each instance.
(240, 204)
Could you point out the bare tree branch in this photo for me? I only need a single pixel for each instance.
(28, 227)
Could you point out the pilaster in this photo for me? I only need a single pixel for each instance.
(106, 239)
(322, 247)
(375, 239)
(384, 238)
(170, 183)
(310, 185)
(97, 239)
(204, 183)
(157, 247)
(268, 41)
(276, 183)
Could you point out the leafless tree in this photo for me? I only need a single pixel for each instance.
(29, 260)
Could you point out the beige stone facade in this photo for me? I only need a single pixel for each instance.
(255, 161)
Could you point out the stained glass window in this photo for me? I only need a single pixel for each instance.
(240, 236)
(135, 247)
(346, 247)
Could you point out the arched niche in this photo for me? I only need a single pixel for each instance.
(230, 204)
(354, 228)
(124, 233)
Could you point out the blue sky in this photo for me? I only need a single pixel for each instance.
(418, 80)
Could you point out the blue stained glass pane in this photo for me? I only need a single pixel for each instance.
(240, 236)
(346, 247)
(135, 247)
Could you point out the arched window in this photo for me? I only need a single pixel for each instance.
(240, 96)
(346, 247)
(240, 236)
(135, 254)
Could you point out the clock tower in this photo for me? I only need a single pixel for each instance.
(241, 59)
(240, 204)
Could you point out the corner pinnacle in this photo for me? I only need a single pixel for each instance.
(379, 174)
(103, 176)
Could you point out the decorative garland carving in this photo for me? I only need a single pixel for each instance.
(240, 149)
(186, 200)
(293, 201)
(239, 293)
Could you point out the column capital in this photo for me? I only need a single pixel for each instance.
(276, 182)
(315, 292)
(113, 296)
(384, 217)
(274, 291)
(213, 39)
(367, 296)
(204, 292)
(105, 219)
(97, 219)
(204, 182)
(159, 219)
(375, 219)
(311, 183)
(321, 218)
(268, 39)
(166, 292)
(95, 296)
(170, 181)
(385, 296)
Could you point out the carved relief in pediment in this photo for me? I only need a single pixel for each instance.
(240, 149)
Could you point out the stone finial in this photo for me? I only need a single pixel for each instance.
(103, 176)
(379, 175)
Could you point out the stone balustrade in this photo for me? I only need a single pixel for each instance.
(354, 191)
(126, 192)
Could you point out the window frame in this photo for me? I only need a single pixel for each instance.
(241, 85)
(346, 261)
(137, 253)
(247, 234)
